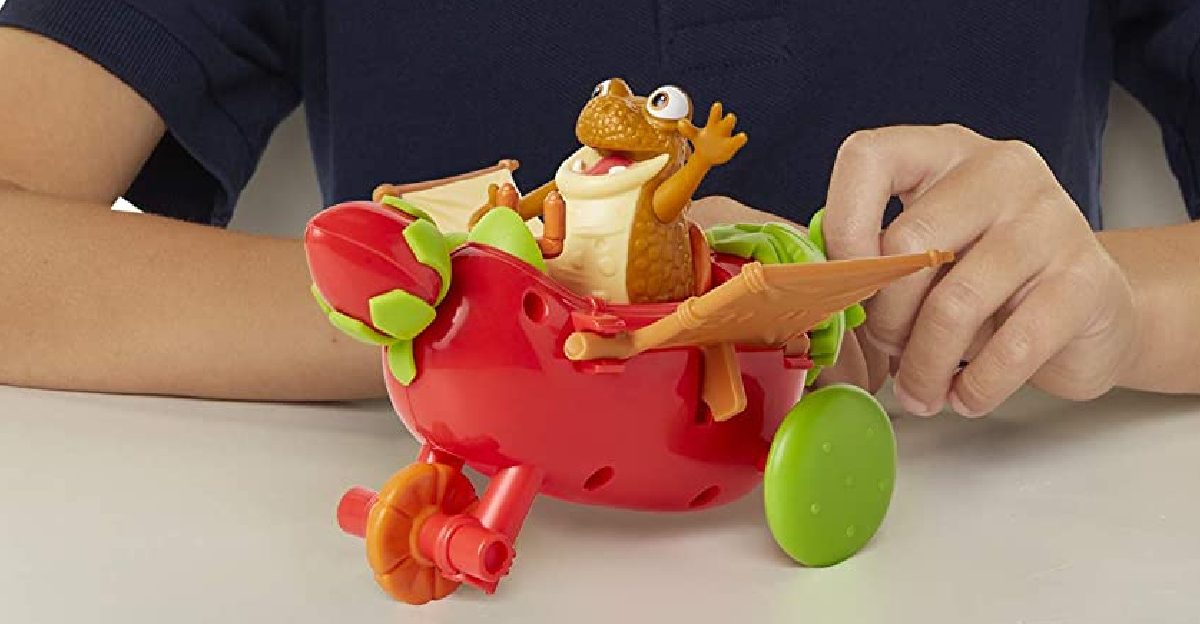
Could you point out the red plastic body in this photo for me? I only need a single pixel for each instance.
(493, 388)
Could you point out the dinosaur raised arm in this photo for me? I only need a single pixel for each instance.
(712, 145)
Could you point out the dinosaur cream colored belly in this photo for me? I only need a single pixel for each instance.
(595, 253)
(600, 218)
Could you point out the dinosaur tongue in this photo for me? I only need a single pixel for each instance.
(602, 166)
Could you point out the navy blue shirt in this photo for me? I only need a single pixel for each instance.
(405, 91)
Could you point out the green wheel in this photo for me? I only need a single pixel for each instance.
(829, 476)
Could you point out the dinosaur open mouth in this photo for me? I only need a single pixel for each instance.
(597, 163)
(614, 162)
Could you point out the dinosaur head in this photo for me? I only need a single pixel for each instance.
(620, 130)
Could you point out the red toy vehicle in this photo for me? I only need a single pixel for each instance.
(666, 407)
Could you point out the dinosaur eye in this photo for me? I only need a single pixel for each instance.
(669, 103)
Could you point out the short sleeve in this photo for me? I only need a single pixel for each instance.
(221, 73)
(1158, 61)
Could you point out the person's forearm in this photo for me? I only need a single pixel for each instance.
(101, 301)
(1163, 268)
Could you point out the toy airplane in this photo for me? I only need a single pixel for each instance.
(587, 342)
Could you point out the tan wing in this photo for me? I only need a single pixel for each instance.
(451, 201)
(761, 306)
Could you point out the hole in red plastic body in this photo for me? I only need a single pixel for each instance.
(534, 306)
(598, 479)
(495, 558)
(706, 496)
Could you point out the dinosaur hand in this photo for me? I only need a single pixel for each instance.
(498, 195)
(715, 143)
(554, 214)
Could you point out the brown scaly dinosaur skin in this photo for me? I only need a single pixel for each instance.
(660, 254)
(663, 241)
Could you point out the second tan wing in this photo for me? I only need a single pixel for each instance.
(762, 306)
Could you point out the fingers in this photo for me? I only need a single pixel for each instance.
(957, 309)
(724, 152)
(878, 364)
(492, 191)
(554, 231)
(1026, 341)
(715, 209)
(1023, 301)
(739, 140)
(714, 114)
(859, 364)
(983, 336)
(727, 123)
(507, 196)
(946, 216)
(851, 366)
(717, 121)
(874, 165)
(687, 129)
(960, 192)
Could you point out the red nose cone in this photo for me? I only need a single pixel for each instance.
(357, 250)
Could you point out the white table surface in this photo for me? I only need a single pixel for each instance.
(129, 509)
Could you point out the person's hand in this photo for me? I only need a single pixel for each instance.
(1033, 295)
(718, 209)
